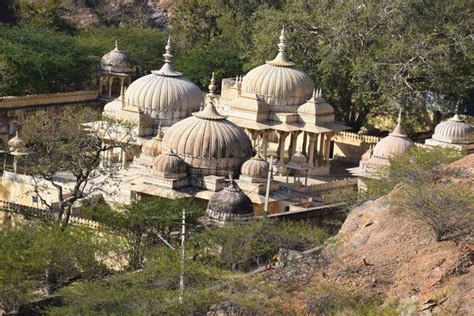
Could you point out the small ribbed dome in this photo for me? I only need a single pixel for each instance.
(299, 158)
(116, 61)
(16, 143)
(114, 106)
(230, 204)
(256, 167)
(396, 143)
(279, 82)
(134, 116)
(454, 131)
(209, 141)
(169, 163)
(316, 106)
(152, 147)
(165, 94)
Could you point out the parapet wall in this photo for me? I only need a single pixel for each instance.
(12, 102)
(34, 212)
(351, 146)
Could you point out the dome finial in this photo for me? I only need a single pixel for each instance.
(116, 45)
(209, 112)
(281, 60)
(456, 116)
(315, 94)
(281, 45)
(398, 131)
(167, 55)
(212, 86)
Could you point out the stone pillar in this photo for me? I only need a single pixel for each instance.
(317, 148)
(265, 144)
(122, 158)
(122, 83)
(254, 137)
(293, 140)
(101, 80)
(312, 139)
(111, 81)
(303, 150)
(328, 146)
(281, 152)
(15, 163)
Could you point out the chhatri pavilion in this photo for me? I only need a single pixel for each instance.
(263, 144)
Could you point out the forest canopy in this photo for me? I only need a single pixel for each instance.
(368, 57)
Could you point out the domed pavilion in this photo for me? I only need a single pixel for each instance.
(116, 73)
(453, 133)
(230, 204)
(165, 94)
(396, 143)
(278, 106)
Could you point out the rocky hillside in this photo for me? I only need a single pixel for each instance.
(79, 14)
(380, 253)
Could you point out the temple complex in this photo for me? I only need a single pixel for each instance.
(265, 146)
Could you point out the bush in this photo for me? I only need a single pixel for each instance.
(152, 290)
(46, 257)
(416, 167)
(140, 224)
(198, 64)
(38, 59)
(427, 193)
(243, 246)
(329, 300)
(448, 209)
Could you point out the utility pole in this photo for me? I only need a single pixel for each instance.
(267, 192)
(181, 277)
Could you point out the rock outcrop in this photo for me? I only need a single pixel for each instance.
(380, 251)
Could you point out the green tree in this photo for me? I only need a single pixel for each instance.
(144, 46)
(151, 290)
(144, 223)
(426, 191)
(65, 156)
(198, 63)
(41, 257)
(368, 56)
(38, 60)
(244, 246)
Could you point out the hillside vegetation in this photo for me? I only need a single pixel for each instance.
(367, 56)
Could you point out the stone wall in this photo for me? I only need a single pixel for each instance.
(13, 102)
(350, 146)
(14, 110)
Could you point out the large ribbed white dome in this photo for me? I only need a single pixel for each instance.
(279, 82)
(208, 141)
(454, 131)
(165, 94)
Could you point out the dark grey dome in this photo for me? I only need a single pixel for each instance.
(230, 204)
